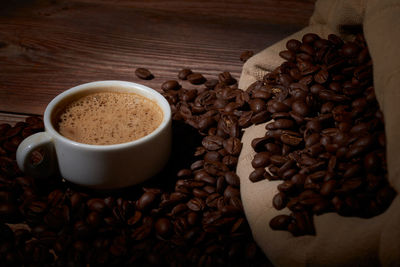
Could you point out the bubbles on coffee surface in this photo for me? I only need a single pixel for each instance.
(106, 118)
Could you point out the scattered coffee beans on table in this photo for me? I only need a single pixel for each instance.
(144, 74)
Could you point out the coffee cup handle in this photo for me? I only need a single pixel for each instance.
(44, 162)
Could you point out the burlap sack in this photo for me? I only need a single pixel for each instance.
(339, 241)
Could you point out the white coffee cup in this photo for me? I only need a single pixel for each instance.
(99, 166)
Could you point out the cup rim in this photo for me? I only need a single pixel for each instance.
(139, 88)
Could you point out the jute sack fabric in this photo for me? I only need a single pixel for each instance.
(339, 241)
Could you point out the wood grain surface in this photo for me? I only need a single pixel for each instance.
(48, 46)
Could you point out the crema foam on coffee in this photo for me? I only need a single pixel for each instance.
(106, 118)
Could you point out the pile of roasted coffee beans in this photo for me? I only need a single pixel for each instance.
(191, 214)
(326, 143)
(181, 217)
(327, 139)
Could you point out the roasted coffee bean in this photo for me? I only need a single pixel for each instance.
(260, 117)
(196, 204)
(212, 156)
(232, 145)
(288, 55)
(316, 89)
(257, 175)
(184, 73)
(245, 55)
(144, 74)
(286, 186)
(350, 49)
(278, 160)
(279, 201)
(261, 160)
(96, 204)
(163, 227)
(286, 166)
(322, 76)
(283, 124)
(308, 49)
(226, 78)
(212, 142)
(273, 148)
(300, 107)
(204, 176)
(245, 119)
(293, 45)
(280, 222)
(328, 187)
(170, 85)
(196, 78)
(291, 140)
(232, 179)
(310, 38)
(230, 161)
(257, 105)
(231, 192)
(211, 83)
(265, 95)
(371, 162)
(275, 106)
(145, 201)
(258, 143)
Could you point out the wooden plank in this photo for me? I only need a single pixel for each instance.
(51, 46)
(11, 118)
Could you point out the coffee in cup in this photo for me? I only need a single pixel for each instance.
(108, 117)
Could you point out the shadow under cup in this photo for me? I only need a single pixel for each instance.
(101, 166)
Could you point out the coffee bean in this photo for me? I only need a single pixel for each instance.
(310, 38)
(350, 49)
(245, 119)
(231, 192)
(144, 74)
(184, 73)
(226, 78)
(280, 222)
(300, 107)
(260, 117)
(233, 146)
(212, 156)
(212, 142)
(322, 76)
(288, 55)
(257, 105)
(261, 160)
(145, 201)
(262, 94)
(246, 55)
(279, 201)
(196, 78)
(278, 160)
(170, 85)
(275, 106)
(290, 140)
(293, 45)
(232, 179)
(96, 204)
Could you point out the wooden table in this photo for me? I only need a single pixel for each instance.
(48, 46)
